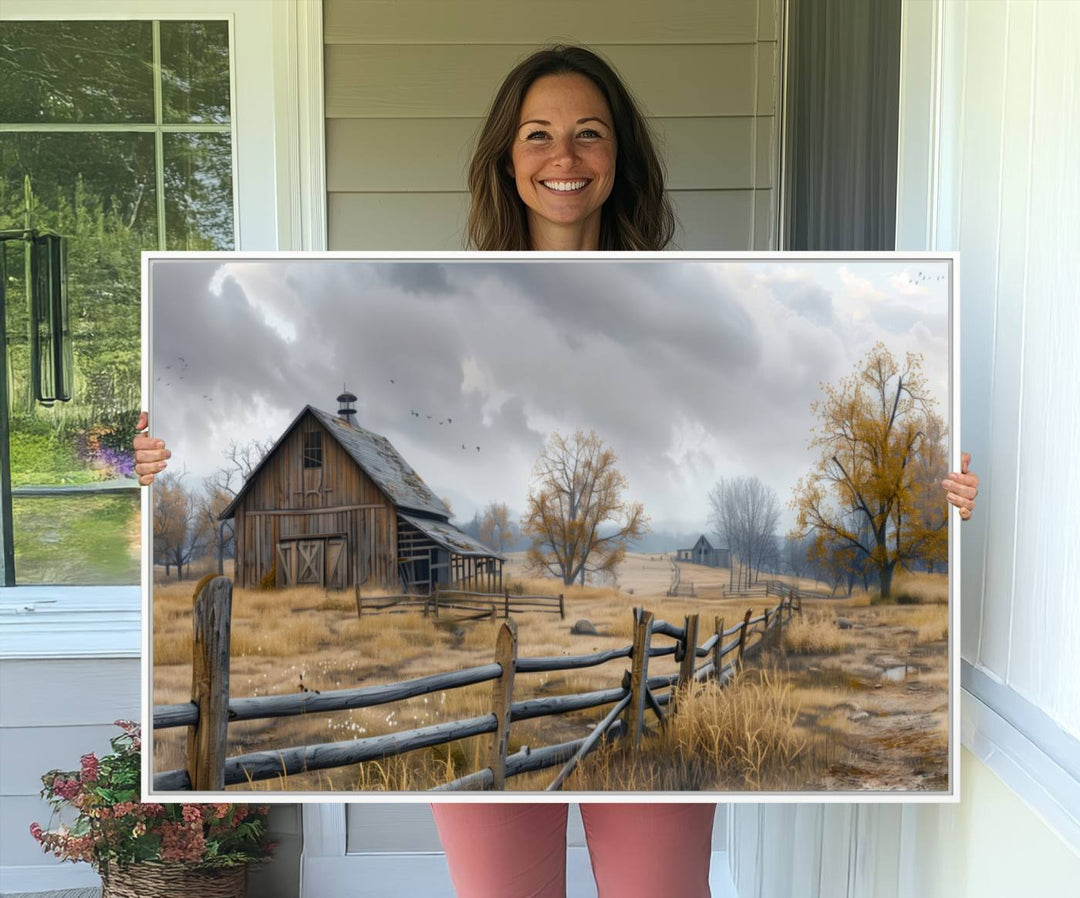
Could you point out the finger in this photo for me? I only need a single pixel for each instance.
(961, 502)
(143, 422)
(963, 489)
(143, 443)
(965, 514)
(146, 456)
(965, 461)
(146, 479)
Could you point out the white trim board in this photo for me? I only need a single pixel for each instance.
(1049, 788)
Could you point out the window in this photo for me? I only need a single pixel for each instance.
(313, 449)
(118, 136)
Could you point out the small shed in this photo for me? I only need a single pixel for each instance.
(335, 505)
(702, 552)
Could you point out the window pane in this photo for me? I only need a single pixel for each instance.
(98, 191)
(195, 72)
(198, 192)
(76, 72)
(85, 540)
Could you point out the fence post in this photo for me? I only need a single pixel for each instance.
(765, 635)
(359, 602)
(718, 649)
(435, 603)
(206, 740)
(562, 608)
(506, 604)
(689, 655)
(501, 695)
(742, 633)
(639, 675)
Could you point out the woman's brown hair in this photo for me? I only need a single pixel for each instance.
(637, 214)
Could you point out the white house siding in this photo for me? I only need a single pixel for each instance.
(408, 83)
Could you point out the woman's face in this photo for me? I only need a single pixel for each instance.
(563, 158)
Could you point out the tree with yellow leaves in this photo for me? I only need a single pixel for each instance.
(873, 494)
(577, 518)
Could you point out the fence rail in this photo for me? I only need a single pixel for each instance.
(474, 604)
(211, 710)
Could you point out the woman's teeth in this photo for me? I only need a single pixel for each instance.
(564, 186)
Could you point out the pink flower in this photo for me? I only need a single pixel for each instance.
(37, 832)
(181, 842)
(65, 788)
(89, 767)
(192, 813)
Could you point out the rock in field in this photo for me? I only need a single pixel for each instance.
(843, 623)
(584, 628)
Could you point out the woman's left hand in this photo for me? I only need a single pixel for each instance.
(962, 488)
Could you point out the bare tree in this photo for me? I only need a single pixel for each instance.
(221, 487)
(496, 528)
(179, 532)
(745, 513)
(577, 490)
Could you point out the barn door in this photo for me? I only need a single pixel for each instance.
(309, 562)
(337, 565)
(286, 564)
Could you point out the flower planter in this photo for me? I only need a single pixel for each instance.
(174, 881)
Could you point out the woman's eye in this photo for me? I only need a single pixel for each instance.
(536, 135)
(590, 132)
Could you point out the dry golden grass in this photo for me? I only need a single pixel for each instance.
(740, 737)
(815, 633)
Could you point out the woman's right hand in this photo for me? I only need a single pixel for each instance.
(150, 453)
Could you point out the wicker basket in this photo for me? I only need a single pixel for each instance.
(174, 881)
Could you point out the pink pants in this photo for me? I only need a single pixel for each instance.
(519, 850)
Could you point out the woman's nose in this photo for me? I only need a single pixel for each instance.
(564, 150)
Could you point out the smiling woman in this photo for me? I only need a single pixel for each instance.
(565, 161)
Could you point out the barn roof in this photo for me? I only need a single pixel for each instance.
(449, 537)
(378, 458)
(382, 463)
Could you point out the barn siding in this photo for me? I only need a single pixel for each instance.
(283, 484)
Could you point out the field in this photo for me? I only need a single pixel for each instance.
(858, 699)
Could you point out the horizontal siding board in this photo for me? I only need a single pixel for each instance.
(17, 846)
(28, 752)
(62, 693)
(432, 155)
(768, 78)
(765, 225)
(713, 219)
(397, 221)
(459, 81)
(768, 26)
(765, 152)
(515, 22)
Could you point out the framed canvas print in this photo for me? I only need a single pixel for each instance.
(518, 526)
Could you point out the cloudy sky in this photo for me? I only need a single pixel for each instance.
(692, 370)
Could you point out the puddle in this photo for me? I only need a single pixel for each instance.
(900, 672)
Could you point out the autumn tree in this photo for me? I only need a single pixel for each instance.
(577, 518)
(179, 531)
(496, 528)
(745, 513)
(867, 492)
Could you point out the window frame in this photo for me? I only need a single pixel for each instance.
(276, 97)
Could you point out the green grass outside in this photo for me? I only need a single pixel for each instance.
(85, 540)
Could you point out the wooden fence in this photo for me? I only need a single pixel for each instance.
(473, 604)
(211, 710)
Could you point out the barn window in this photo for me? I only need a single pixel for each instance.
(313, 450)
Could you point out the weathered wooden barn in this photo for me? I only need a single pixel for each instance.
(702, 552)
(334, 505)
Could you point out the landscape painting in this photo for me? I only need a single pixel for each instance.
(453, 525)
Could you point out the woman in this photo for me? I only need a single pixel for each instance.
(565, 162)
